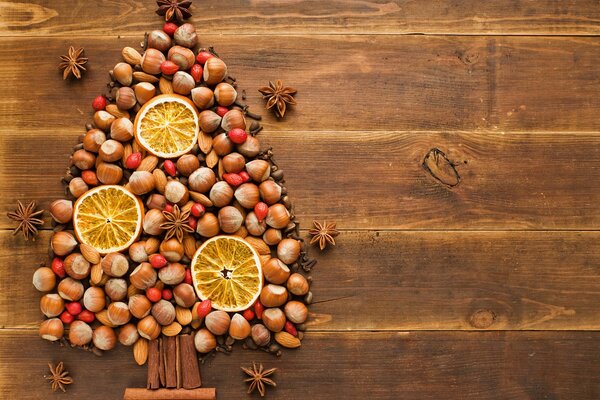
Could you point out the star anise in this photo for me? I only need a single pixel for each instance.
(277, 94)
(174, 10)
(73, 62)
(26, 216)
(177, 223)
(323, 233)
(258, 378)
(59, 377)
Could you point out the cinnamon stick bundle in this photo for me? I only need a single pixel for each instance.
(170, 394)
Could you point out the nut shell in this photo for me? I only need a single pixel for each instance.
(44, 279)
(273, 295)
(239, 328)
(204, 341)
(148, 328)
(274, 319)
(276, 271)
(217, 322)
(80, 333)
(104, 338)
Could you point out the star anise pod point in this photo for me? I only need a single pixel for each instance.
(73, 63)
(258, 378)
(323, 233)
(278, 95)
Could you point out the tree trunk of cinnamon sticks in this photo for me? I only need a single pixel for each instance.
(172, 364)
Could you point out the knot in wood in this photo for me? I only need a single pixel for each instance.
(482, 319)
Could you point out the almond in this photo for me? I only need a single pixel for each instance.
(148, 164)
(113, 110)
(90, 253)
(140, 351)
(131, 55)
(160, 181)
(212, 159)
(200, 198)
(165, 86)
(183, 315)
(144, 77)
(171, 330)
(97, 277)
(189, 246)
(287, 340)
(205, 142)
(259, 245)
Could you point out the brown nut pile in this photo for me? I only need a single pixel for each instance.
(219, 187)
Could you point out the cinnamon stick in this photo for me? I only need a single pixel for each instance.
(170, 349)
(190, 370)
(170, 394)
(178, 362)
(161, 362)
(153, 365)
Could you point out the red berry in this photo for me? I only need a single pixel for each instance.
(157, 260)
(99, 103)
(169, 67)
(170, 167)
(203, 56)
(245, 176)
(89, 177)
(168, 207)
(188, 276)
(196, 72)
(66, 317)
(197, 210)
(233, 179)
(192, 223)
(74, 307)
(221, 111)
(167, 294)
(58, 266)
(290, 328)
(133, 160)
(154, 294)
(248, 314)
(169, 28)
(204, 308)
(237, 135)
(258, 309)
(87, 316)
(261, 210)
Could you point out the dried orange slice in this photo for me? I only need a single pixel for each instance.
(167, 125)
(227, 270)
(109, 218)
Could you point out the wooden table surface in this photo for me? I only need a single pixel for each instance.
(477, 277)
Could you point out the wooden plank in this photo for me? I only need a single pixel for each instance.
(45, 17)
(350, 83)
(376, 180)
(349, 365)
(410, 281)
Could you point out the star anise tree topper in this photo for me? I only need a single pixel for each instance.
(174, 10)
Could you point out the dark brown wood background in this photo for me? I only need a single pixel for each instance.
(479, 284)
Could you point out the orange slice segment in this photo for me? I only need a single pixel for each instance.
(109, 218)
(167, 126)
(227, 270)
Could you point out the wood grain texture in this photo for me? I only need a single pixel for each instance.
(421, 365)
(410, 281)
(376, 180)
(348, 83)
(45, 17)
